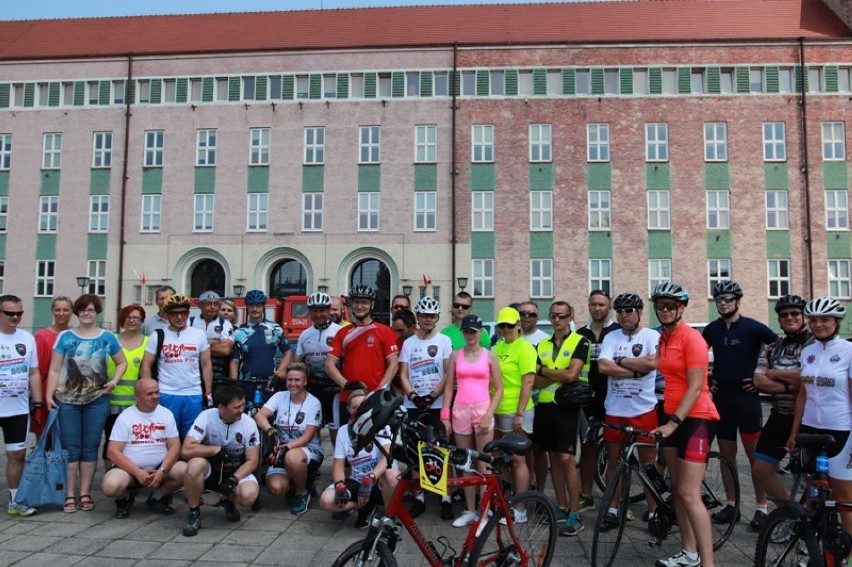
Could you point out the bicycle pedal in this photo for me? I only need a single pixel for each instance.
(655, 542)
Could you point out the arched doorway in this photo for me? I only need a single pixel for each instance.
(207, 275)
(374, 273)
(288, 277)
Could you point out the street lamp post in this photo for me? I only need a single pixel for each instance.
(462, 282)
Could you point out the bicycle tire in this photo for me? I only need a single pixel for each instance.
(714, 497)
(637, 493)
(494, 546)
(788, 552)
(383, 558)
(605, 544)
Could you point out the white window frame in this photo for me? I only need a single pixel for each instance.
(205, 149)
(257, 212)
(5, 152)
(837, 209)
(481, 211)
(659, 209)
(52, 151)
(657, 141)
(426, 143)
(777, 209)
(312, 211)
(715, 141)
(840, 278)
(4, 213)
(155, 142)
(833, 141)
(778, 281)
(541, 278)
(718, 269)
(425, 211)
(102, 150)
(2, 276)
(99, 213)
(48, 214)
(482, 277)
(259, 145)
(718, 209)
(774, 141)
(600, 274)
(600, 209)
(786, 80)
(659, 271)
(151, 218)
(45, 280)
(482, 143)
(597, 142)
(541, 211)
(369, 144)
(541, 143)
(369, 211)
(412, 83)
(96, 270)
(314, 145)
(756, 80)
(203, 212)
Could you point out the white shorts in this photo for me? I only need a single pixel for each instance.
(840, 465)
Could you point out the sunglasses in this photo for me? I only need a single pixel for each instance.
(528, 313)
(627, 310)
(726, 299)
(790, 315)
(13, 313)
(461, 306)
(560, 316)
(666, 306)
(399, 307)
(505, 326)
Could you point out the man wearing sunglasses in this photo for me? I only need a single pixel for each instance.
(462, 307)
(529, 319)
(736, 341)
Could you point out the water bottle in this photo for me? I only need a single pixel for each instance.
(822, 464)
(655, 477)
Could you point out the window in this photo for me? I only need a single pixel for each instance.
(312, 211)
(329, 85)
(541, 210)
(498, 83)
(669, 81)
(203, 213)
(356, 89)
(99, 213)
(426, 143)
(368, 211)
(257, 212)
(785, 80)
(583, 82)
(48, 217)
(844, 79)
(259, 146)
(144, 91)
(385, 85)
(774, 141)
(837, 210)
(97, 277)
(4, 213)
(154, 142)
(482, 272)
(102, 149)
(640, 81)
(425, 210)
(45, 278)
(610, 81)
(839, 280)
(815, 80)
(833, 141)
(657, 141)
(600, 275)
(468, 83)
(718, 209)
(206, 148)
(5, 152)
(369, 144)
(553, 82)
(525, 83)
(726, 80)
(118, 92)
(717, 270)
(151, 213)
(778, 277)
(777, 216)
(541, 278)
(541, 145)
(715, 141)
(314, 145)
(52, 156)
(659, 271)
(412, 83)
(482, 210)
(755, 80)
(659, 210)
(697, 81)
(441, 83)
(170, 90)
(303, 86)
(600, 210)
(483, 143)
(597, 142)
(275, 88)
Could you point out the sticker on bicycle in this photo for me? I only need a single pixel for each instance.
(433, 468)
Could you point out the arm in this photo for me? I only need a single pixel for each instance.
(56, 361)
(193, 448)
(234, 369)
(569, 374)
(172, 455)
(282, 366)
(262, 419)
(333, 372)
(608, 367)
(206, 372)
(392, 361)
(145, 367)
(303, 439)
(252, 460)
(449, 385)
(798, 412)
(338, 470)
(695, 380)
(120, 366)
(642, 364)
(35, 385)
(115, 453)
(497, 394)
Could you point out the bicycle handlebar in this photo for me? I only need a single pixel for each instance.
(634, 432)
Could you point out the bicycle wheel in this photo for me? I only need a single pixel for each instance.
(352, 556)
(600, 469)
(607, 537)
(495, 546)
(787, 540)
(713, 495)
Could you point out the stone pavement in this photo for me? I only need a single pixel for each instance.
(272, 536)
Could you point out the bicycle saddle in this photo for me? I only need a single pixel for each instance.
(511, 444)
(816, 441)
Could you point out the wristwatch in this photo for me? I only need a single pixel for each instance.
(164, 470)
(675, 419)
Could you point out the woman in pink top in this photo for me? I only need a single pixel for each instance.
(62, 309)
(474, 373)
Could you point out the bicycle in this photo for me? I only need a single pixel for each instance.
(496, 541)
(605, 542)
(796, 535)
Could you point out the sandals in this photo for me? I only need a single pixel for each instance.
(70, 505)
(86, 503)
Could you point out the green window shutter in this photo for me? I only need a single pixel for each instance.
(315, 87)
(103, 93)
(539, 81)
(156, 91)
(597, 82)
(569, 85)
(426, 79)
(233, 89)
(130, 91)
(397, 84)
(483, 83)
(53, 94)
(29, 94)
(830, 78)
(625, 77)
(714, 84)
(260, 89)
(288, 86)
(455, 87)
(655, 80)
(182, 90)
(742, 79)
(370, 85)
(683, 80)
(79, 93)
(342, 85)
(511, 82)
(207, 86)
(798, 72)
(5, 90)
(771, 79)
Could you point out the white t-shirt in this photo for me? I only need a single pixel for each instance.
(826, 372)
(630, 397)
(179, 371)
(292, 419)
(313, 346)
(535, 337)
(367, 458)
(144, 435)
(425, 359)
(209, 429)
(218, 328)
(17, 356)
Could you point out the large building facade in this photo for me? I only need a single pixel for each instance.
(539, 151)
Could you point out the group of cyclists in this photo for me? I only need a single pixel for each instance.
(171, 391)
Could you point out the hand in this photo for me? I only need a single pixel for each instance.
(155, 479)
(143, 477)
(207, 403)
(790, 444)
(366, 489)
(666, 430)
(109, 386)
(518, 423)
(276, 457)
(50, 403)
(748, 386)
(714, 385)
(228, 486)
(342, 496)
(448, 426)
(485, 424)
(218, 459)
(37, 413)
(420, 402)
(429, 399)
(271, 436)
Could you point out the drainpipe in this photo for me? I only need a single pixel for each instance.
(806, 170)
(453, 167)
(123, 202)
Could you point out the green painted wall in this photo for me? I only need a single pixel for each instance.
(45, 246)
(718, 243)
(717, 176)
(599, 176)
(835, 175)
(658, 176)
(777, 244)
(4, 182)
(313, 178)
(41, 312)
(99, 182)
(659, 244)
(484, 308)
(776, 176)
(541, 245)
(483, 177)
(152, 181)
(205, 180)
(49, 182)
(369, 178)
(837, 244)
(257, 180)
(541, 176)
(600, 244)
(97, 249)
(482, 244)
(425, 177)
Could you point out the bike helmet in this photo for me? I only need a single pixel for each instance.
(362, 292)
(209, 296)
(825, 306)
(727, 286)
(786, 301)
(627, 300)
(372, 416)
(573, 394)
(427, 305)
(175, 301)
(319, 299)
(670, 290)
(255, 296)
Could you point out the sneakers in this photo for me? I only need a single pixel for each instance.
(417, 507)
(123, 506)
(193, 522)
(572, 526)
(759, 521)
(726, 515)
(446, 510)
(610, 522)
(160, 506)
(231, 512)
(15, 509)
(365, 516)
(678, 560)
(587, 503)
(518, 517)
(465, 519)
(300, 504)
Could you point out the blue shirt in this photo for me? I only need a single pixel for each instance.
(736, 349)
(259, 347)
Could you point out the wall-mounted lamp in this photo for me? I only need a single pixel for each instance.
(406, 290)
(323, 288)
(239, 289)
(83, 282)
(462, 283)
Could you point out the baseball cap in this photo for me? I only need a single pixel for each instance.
(508, 315)
(209, 296)
(472, 322)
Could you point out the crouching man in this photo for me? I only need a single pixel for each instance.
(144, 448)
(222, 450)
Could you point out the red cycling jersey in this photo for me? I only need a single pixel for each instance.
(679, 350)
(363, 349)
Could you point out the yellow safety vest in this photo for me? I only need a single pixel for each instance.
(560, 361)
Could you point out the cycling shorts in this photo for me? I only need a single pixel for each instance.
(839, 453)
(738, 411)
(555, 429)
(771, 447)
(16, 429)
(328, 400)
(692, 439)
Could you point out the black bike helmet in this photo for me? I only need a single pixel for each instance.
(362, 292)
(727, 286)
(787, 301)
(372, 416)
(573, 394)
(627, 300)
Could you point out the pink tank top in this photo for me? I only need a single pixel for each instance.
(473, 379)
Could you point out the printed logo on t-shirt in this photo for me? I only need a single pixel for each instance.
(329, 340)
(300, 417)
(636, 350)
(811, 359)
(239, 437)
(432, 350)
(21, 349)
(370, 341)
(835, 358)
